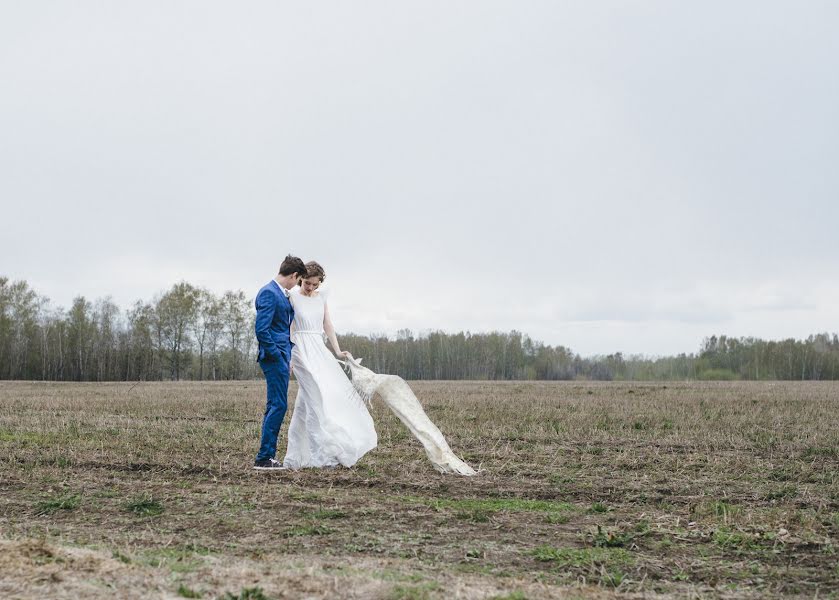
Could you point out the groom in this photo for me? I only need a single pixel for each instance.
(273, 320)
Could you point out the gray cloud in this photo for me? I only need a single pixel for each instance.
(603, 175)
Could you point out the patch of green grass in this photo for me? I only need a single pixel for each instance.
(763, 439)
(517, 595)
(412, 592)
(177, 559)
(397, 576)
(820, 451)
(185, 592)
(327, 513)
(309, 529)
(476, 516)
(367, 471)
(254, 593)
(664, 505)
(608, 423)
(730, 539)
(65, 502)
(508, 504)
(557, 518)
(642, 527)
(724, 510)
(558, 480)
(26, 437)
(598, 507)
(555, 426)
(108, 493)
(42, 554)
(304, 496)
(491, 505)
(611, 539)
(480, 568)
(198, 549)
(781, 474)
(583, 557)
(612, 577)
(717, 509)
(754, 568)
(787, 491)
(145, 506)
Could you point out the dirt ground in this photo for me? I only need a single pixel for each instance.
(586, 490)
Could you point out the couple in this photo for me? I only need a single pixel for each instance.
(330, 424)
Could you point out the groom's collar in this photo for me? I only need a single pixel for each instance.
(282, 289)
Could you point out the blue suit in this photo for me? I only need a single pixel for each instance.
(274, 314)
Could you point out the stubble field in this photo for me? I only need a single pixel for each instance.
(586, 490)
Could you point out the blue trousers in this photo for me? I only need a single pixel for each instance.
(276, 382)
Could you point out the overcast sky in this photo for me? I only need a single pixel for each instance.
(611, 176)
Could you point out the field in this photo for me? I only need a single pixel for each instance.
(587, 490)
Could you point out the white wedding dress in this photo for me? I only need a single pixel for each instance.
(330, 424)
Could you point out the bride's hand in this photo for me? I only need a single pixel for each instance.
(343, 354)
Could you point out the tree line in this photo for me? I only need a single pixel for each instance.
(187, 332)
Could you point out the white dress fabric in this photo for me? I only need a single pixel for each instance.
(400, 399)
(330, 424)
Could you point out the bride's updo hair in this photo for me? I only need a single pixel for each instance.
(313, 269)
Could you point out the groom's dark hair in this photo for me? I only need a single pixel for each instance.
(291, 265)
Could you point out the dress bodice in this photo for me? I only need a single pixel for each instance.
(308, 313)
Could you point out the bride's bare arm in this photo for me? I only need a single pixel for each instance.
(329, 329)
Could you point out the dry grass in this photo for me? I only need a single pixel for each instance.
(588, 490)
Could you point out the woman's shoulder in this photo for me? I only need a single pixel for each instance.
(293, 294)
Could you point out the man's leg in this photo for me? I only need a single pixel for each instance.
(276, 382)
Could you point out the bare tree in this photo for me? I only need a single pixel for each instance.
(235, 315)
(176, 312)
(205, 319)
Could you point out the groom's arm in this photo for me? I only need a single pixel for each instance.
(266, 304)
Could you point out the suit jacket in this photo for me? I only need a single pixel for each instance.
(274, 314)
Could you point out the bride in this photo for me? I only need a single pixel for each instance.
(330, 424)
